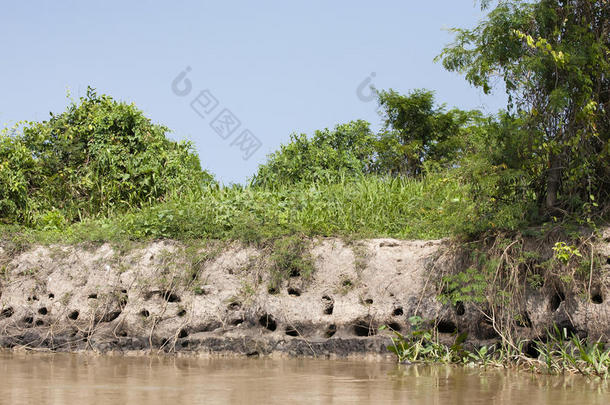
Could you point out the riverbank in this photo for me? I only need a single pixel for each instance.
(322, 297)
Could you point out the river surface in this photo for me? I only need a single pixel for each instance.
(27, 378)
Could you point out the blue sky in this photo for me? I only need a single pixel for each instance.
(278, 66)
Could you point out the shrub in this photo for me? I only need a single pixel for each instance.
(346, 151)
(97, 157)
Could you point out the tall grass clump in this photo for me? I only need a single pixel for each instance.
(369, 206)
(436, 206)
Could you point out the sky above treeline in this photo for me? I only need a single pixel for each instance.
(252, 72)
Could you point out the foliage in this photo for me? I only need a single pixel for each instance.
(371, 206)
(98, 157)
(417, 131)
(467, 286)
(556, 353)
(564, 252)
(421, 345)
(491, 163)
(562, 353)
(554, 59)
(330, 155)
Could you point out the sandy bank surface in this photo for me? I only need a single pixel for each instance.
(149, 298)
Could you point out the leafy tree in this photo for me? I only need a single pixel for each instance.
(98, 156)
(502, 192)
(554, 59)
(347, 150)
(417, 131)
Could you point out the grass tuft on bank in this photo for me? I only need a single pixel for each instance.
(436, 206)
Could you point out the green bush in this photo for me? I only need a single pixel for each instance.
(417, 131)
(345, 151)
(98, 157)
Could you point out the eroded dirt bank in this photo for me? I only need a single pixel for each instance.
(216, 299)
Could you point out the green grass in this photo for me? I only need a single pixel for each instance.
(373, 206)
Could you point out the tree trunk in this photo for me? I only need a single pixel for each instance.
(552, 182)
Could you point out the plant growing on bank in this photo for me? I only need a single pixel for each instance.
(558, 353)
(98, 157)
(417, 131)
(421, 344)
(494, 275)
(329, 156)
(372, 206)
(290, 257)
(564, 252)
(554, 59)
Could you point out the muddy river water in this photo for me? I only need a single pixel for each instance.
(27, 378)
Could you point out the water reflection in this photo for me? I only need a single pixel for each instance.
(70, 379)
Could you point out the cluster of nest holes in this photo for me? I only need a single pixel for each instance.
(365, 327)
(556, 299)
(123, 298)
(445, 326)
(294, 291)
(27, 320)
(268, 322)
(329, 304)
